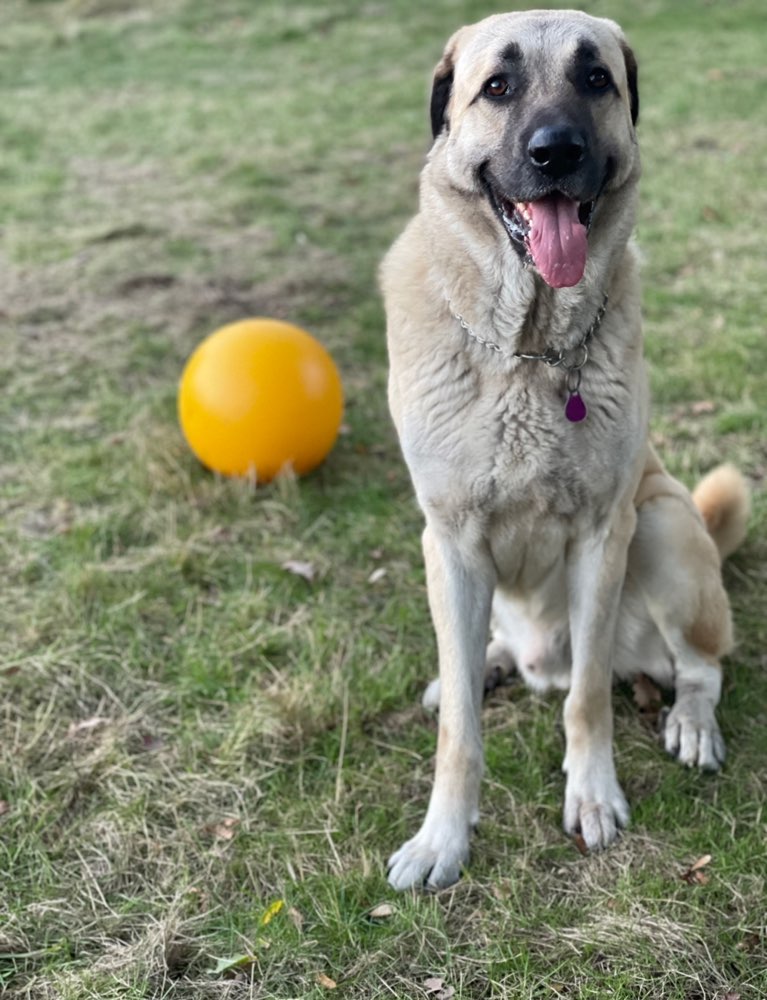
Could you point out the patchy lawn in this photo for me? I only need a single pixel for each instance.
(190, 735)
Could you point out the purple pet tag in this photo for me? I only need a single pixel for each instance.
(575, 408)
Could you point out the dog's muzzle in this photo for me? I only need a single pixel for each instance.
(552, 233)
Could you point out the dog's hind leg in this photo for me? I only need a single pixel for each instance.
(676, 566)
(460, 586)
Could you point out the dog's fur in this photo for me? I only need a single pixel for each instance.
(592, 559)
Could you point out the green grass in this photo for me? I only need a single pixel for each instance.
(188, 733)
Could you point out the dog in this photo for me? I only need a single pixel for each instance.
(519, 394)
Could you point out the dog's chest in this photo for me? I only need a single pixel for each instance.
(496, 445)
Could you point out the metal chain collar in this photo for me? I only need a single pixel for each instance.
(571, 359)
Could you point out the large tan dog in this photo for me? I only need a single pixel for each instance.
(518, 390)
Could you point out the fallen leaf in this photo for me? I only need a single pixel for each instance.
(435, 985)
(86, 726)
(151, 743)
(377, 575)
(272, 912)
(749, 943)
(305, 570)
(702, 862)
(231, 963)
(382, 911)
(703, 406)
(326, 982)
(4, 807)
(223, 830)
(695, 874)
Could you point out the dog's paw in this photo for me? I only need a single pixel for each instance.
(429, 860)
(691, 734)
(430, 697)
(499, 666)
(595, 808)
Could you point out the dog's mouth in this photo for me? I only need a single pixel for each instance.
(551, 231)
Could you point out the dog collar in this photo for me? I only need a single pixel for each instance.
(570, 359)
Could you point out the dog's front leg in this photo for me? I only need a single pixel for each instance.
(460, 585)
(595, 806)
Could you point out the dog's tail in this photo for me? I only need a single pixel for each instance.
(724, 500)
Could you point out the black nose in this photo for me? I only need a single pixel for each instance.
(557, 150)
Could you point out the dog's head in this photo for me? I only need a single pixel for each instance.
(534, 114)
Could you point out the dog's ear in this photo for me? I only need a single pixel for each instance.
(442, 85)
(440, 95)
(632, 77)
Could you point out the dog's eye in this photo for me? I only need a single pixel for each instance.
(599, 79)
(496, 87)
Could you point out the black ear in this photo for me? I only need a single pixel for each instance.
(440, 95)
(442, 87)
(632, 77)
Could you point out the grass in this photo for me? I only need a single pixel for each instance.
(189, 733)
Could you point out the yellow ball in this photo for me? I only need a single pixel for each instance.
(260, 397)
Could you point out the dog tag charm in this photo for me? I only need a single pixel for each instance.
(575, 408)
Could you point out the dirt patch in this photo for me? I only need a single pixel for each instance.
(63, 313)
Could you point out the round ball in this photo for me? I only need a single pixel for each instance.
(260, 397)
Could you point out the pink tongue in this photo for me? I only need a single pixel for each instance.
(557, 240)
